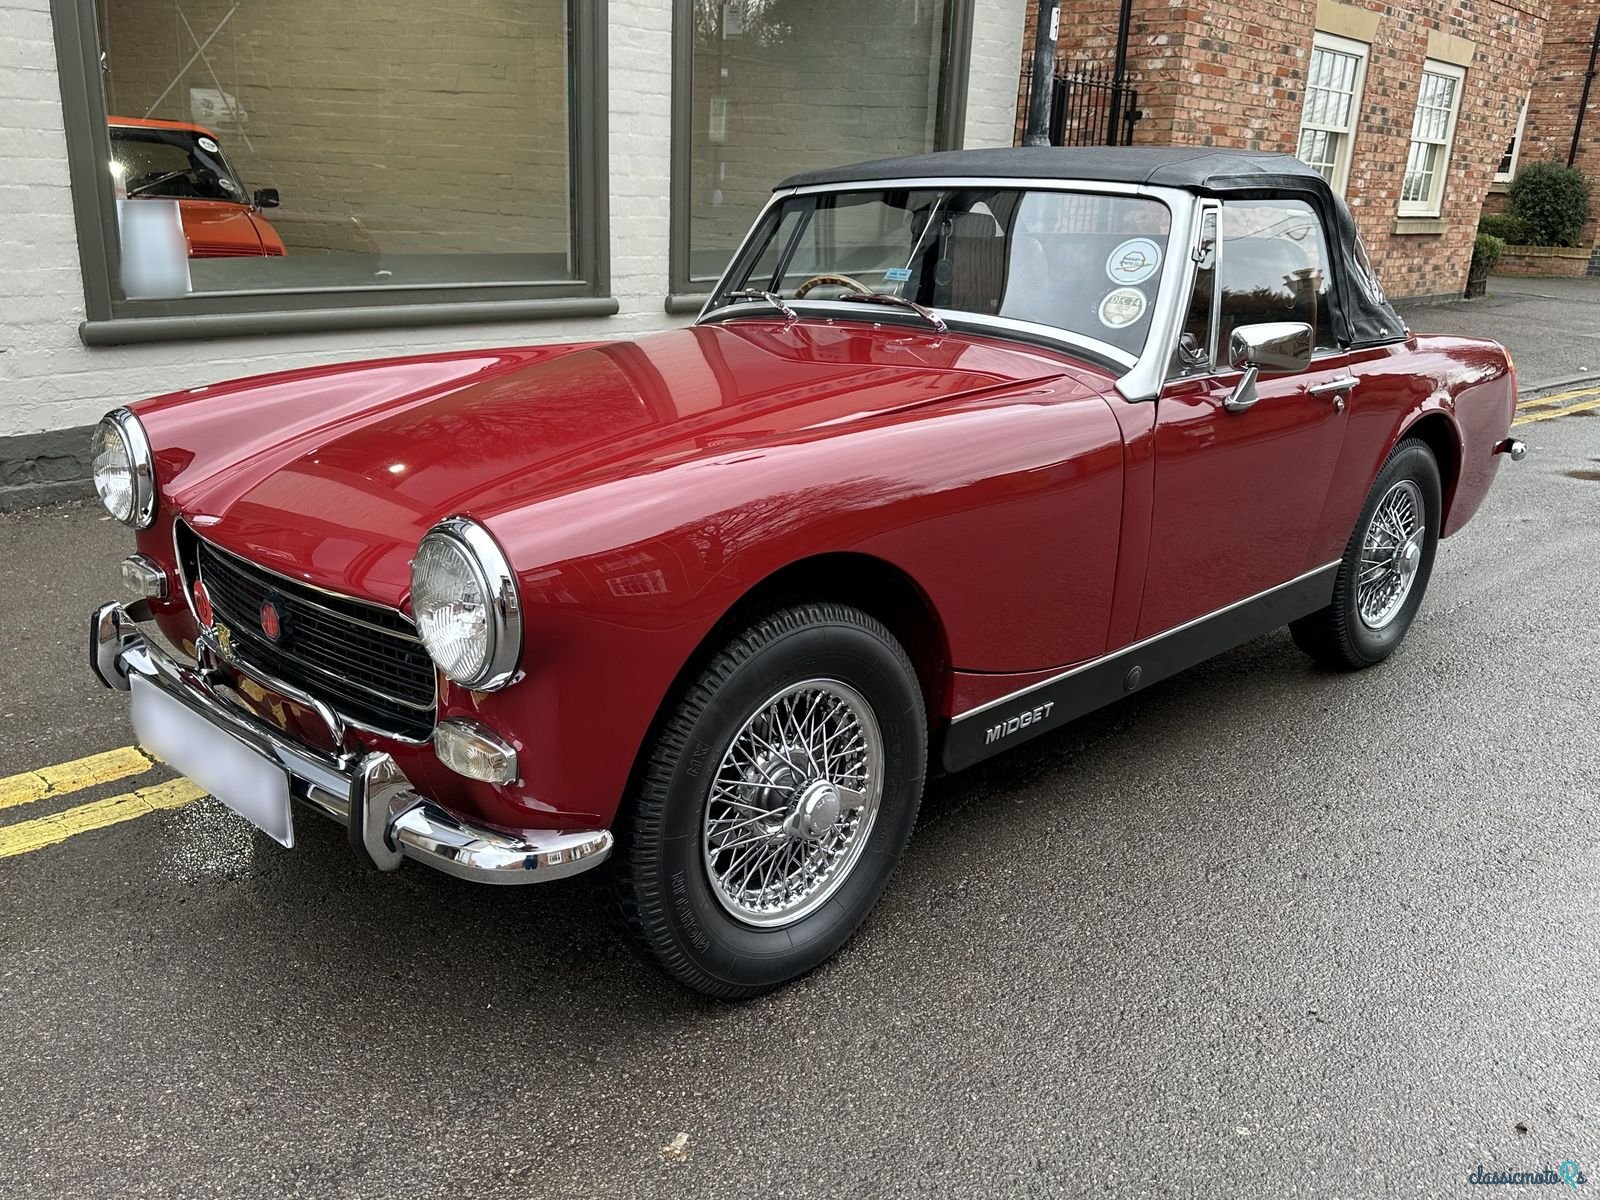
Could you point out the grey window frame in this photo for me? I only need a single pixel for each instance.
(113, 319)
(686, 295)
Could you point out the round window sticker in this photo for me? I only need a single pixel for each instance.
(1134, 261)
(208, 145)
(1122, 308)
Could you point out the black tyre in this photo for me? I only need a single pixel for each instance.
(774, 804)
(1385, 568)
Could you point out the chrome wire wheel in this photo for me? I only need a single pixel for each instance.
(793, 802)
(1391, 554)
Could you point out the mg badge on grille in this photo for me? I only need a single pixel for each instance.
(271, 622)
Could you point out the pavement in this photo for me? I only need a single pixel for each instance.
(1551, 326)
(1261, 931)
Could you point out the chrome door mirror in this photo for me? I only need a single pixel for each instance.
(1278, 347)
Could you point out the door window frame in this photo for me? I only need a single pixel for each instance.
(1217, 367)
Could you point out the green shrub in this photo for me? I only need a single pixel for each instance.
(1486, 251)
(1509, 229)
(1553, 200)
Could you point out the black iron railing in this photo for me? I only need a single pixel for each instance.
(1088, 105)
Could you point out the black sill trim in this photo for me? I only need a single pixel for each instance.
(129, 330)
(1052, 704)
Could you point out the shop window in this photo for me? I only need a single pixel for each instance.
(295, 156)
(767, 88)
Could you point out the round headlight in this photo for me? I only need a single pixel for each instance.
(124, 472)
(464, 597)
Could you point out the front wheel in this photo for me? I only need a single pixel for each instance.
(1385, 568)
(774, 804)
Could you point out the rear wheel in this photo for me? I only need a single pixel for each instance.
(775, 803)
(1386, 566)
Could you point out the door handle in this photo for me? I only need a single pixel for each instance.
(1344, 383)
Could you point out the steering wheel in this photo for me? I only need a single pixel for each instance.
(817, 281)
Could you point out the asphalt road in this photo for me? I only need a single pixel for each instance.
(1261, 931)
(1551, 326)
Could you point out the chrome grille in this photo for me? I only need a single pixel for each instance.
(364, 660)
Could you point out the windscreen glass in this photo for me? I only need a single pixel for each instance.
(1086, 263)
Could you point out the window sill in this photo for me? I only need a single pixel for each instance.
(123, 331)
(687, 302)
(1425, 225)
(1500, 187)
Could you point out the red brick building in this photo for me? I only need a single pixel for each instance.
(1560, 124)
(1407, 105)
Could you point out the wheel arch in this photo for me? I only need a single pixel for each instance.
(1437, 430)
(877, 587)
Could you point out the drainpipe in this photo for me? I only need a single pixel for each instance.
(1583, 104)
(1041, 84)
(1119, 74)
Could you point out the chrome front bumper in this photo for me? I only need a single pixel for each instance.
(363, 790)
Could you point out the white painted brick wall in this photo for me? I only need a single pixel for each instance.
(50, 380)
(992, 85)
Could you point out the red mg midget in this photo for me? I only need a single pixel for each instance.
(962, 447)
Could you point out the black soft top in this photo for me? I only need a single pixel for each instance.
(1362, 316)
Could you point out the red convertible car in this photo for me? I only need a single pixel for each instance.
(962, 447)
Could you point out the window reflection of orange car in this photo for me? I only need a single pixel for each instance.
(172, 160)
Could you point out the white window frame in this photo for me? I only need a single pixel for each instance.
(1516, 147)
(1346, 133)
(1431, 204)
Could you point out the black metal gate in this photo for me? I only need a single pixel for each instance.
(1089, 106)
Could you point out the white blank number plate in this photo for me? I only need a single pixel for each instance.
(254, 787)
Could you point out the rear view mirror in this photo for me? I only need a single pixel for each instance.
(1277, 346)
(266, 198)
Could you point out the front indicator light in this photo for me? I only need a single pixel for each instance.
(469, 749)
(143, 579)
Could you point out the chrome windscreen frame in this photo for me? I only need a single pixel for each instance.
(1141, 376)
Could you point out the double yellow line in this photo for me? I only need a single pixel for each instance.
(1546, 407)
(79, 775)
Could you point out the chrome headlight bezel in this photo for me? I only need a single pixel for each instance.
(141, 468)
(497, 584)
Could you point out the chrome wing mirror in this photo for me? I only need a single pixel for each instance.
(1277, 347)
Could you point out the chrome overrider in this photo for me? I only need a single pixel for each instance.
(363, 790)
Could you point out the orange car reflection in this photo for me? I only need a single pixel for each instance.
(173, 160)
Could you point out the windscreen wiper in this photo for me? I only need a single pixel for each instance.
(926, 313)
(771, 298)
